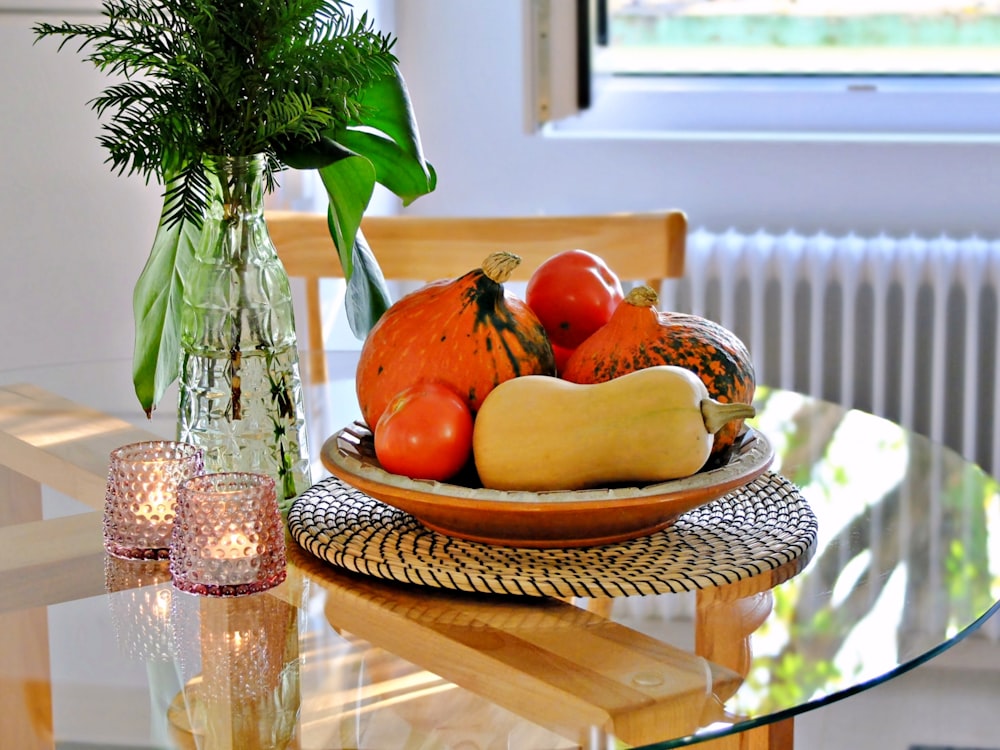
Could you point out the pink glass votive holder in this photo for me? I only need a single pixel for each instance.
(228, 538)
(141, 496)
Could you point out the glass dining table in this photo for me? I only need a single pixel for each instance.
(904, 562)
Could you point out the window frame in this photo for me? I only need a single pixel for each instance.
(746, 107)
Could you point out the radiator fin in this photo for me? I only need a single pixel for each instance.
(903, 327)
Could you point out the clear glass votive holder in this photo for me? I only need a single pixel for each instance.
(228, 539)
(141, 496)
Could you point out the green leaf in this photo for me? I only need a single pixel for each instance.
(387, 151)
(313, 155)
(395, 168)
(388, 109)
(367, 295)
(390, 139)
(156, 305)
(349, 184)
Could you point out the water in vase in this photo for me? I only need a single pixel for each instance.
(246, 413)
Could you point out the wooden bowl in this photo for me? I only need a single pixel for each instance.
(565, 518)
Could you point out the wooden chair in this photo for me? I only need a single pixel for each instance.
(646, 247)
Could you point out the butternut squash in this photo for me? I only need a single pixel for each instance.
(542, 433)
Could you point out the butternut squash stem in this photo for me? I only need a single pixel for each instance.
(717, 414)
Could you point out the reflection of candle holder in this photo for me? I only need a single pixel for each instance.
(239, 662)
(141, 496)
(228, 539)
(139, 594)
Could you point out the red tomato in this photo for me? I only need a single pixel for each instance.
(562, 357)
(425, 433)
(573, 293)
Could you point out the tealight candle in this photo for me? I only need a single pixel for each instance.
(232, 546)
(141, 495)
(228, 538)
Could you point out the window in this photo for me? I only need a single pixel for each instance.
(798, 37)
(806, 69)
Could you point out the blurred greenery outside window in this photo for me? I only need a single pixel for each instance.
(799, 37)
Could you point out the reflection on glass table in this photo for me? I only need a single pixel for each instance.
(908, 549)
(906, 562)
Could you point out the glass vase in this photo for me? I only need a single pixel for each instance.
(240, 391)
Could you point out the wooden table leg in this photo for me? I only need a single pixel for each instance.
(724, 623)
(25, 684)
(779, 735)
(20, 498)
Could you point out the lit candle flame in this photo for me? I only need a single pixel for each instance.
(156, 506)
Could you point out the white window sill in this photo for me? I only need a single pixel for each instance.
(792, 109)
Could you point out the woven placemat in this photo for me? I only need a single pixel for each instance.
(760, 527)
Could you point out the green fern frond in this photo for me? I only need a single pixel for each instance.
(215, 77)
(185, 196)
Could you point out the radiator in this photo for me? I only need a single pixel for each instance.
(903, 327)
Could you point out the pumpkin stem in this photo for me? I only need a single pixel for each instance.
(717, 414)
(642, 296)
(500, 265)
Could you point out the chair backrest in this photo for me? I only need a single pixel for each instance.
(646, 247)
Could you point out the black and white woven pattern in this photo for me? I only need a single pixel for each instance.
(759, 527)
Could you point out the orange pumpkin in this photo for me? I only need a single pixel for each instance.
(639, 336)
(469, 333)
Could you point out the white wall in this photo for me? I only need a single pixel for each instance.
(463, 64)
(73, 236)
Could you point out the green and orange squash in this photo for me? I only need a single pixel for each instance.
(469, 333)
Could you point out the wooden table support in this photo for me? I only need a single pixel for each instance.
(726, 617)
